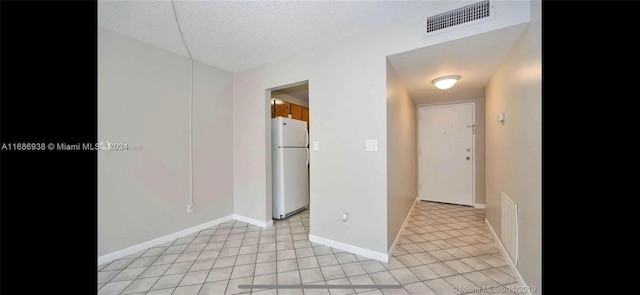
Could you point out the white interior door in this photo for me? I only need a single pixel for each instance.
(446, 154)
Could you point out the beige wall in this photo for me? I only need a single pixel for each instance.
(479, 170)
(402, 166)
(143, 98)
(514, 149)
(348, 103)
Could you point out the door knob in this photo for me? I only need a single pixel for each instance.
(468, 158)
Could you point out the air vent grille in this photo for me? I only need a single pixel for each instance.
(458, 16)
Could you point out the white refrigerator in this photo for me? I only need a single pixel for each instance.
(289, 164)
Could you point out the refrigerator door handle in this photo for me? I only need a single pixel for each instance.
(306, 137)
(306, 144)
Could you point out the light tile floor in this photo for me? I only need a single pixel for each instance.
(445, 249)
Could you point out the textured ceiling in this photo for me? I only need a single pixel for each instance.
(237, 35)
(474, 58)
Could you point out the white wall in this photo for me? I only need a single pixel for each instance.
(347, 96)
(337, 175)
(143, 98)
(402, 168)
(479, 111)
(514, 163)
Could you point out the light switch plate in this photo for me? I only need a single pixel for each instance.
(316, 146)
(371, 145)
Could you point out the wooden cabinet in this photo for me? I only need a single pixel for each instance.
(305, 116)
(297, 112)
(281, 109)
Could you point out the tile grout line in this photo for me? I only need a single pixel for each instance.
(414, 223)
(194, 261)
(182, 252)
(160, 255)
(111, 280)
(443, 262)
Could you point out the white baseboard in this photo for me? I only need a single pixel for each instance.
(259, 223)
(480, 206)
(155, 242)
(503, 251)
(382, 257)
(404, 224)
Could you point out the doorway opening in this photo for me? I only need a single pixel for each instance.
(289, 162)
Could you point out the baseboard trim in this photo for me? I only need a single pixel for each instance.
(503, 251)
(155, 242)
(382, 257)
(404, 224)
(259, 223)
(480, 206)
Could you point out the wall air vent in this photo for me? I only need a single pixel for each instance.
(453, 19)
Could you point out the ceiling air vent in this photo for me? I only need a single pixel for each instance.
(452, 19)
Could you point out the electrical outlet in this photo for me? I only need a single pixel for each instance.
(189, 208)
(316, 146)
(345, 218)
(371, 145)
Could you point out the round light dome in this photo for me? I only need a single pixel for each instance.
(446, 82)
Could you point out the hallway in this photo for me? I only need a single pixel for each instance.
(445, 249)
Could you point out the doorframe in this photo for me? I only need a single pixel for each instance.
(268, 164)
(473, 146)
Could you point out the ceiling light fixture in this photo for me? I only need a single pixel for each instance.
(446, 82)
